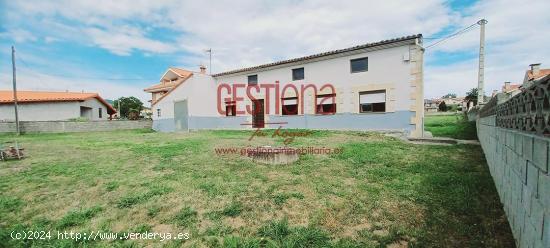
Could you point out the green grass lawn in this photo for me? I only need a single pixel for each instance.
(378, 192)
(452, 126)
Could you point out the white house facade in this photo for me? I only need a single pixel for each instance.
(376, 86)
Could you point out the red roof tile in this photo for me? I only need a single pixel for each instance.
(542, 73)
(6, 96)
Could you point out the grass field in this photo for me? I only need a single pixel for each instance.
(378, 192)
(452, 126)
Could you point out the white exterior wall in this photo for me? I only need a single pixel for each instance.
(52, 111)
(384, 67)
(95, 105)
(200, 92)
(46, 111)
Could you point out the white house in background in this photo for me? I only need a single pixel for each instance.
(375, 86)
(54, 106)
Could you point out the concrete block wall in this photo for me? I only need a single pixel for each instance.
(519, 164)
(73, 126)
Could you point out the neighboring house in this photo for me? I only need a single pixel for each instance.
(172, 77)
(431, 105)
(53, 106)
(511, 89)
(533, 74)
(453, 100)
(377, 86)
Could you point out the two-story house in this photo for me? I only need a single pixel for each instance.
(375, 86)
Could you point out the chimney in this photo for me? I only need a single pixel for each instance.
(203, 69)
(535, 69)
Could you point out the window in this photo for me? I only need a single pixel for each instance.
(230, 108)
(359, 65)
(289, 106)
(158, 112)
(253, 79)
(100, 113)
(326, 104)
(298, 73)
(372, 101)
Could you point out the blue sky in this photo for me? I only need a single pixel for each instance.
(117, 48)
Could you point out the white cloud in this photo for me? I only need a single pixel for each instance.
(30, 80)
(123, 40)
(514, 40)
(241, 33)
(247, 32)
(18, 35)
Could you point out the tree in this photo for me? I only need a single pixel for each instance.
(450, 95)
(127, 105)
(443, 107)
(471, 96)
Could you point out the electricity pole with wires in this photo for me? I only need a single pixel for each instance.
(15, 91)
(481, 69)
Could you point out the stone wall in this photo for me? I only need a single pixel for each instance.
(73, 126)
(516, 147)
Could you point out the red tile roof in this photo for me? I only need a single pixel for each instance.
(167, 86)
(181, 72)
(164, 86)
(510, 88)
(6, 96)
(178, 83)
(542, 73)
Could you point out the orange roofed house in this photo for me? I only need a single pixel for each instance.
(172, 77)
(533, 74)
(54, 106)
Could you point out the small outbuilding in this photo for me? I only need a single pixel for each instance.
(54, 106)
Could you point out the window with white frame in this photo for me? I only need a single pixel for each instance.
(372, 101)
(289, 106)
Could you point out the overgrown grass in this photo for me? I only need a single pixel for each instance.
(378, 192)
(452, 126)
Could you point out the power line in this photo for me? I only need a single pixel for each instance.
(464, 30)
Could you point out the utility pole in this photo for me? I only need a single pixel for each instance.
(15, 90)
(481, 73)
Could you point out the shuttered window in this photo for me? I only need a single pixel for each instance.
(289, 106)
(326, 104)
(372, 101)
